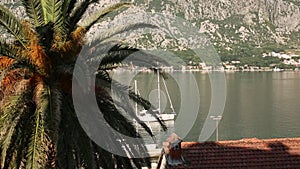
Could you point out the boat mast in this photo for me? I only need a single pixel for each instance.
(158, 91)
(171, 104)
(136, 92)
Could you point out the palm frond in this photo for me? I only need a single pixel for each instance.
(9, 124)
(16, 154)
(102, 53)
(54, 10)
(78, 13)
(104, 80)
(67, 7)
(34, 9)
(42, 129)
(71, 48)
(113, 55)
(65, 147)
(54, 116)
(85, 149)
(62, 24)
(125, 55)
(100, 14)
(8, 50)
(12, 24)
(39, 141)
(103, 158)
(77, 151)
(114, 117)
(54, 13)
(67, 156)
(123, 162)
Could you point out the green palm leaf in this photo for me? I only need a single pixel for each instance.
(9, 120)
(67, 7)
(8, 50)
(53, 118)
(35, 11)
(63, 23)
(39, 141)
(78, 13)
(12, 24)
(16, 106)
(54, 13)
(54, 10)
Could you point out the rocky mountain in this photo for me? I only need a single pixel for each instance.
(233, 23)
(235, 27)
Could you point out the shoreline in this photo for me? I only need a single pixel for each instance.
(201, 71)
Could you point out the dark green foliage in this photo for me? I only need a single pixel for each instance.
(259, 61)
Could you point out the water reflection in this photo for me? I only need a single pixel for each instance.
(259, 104)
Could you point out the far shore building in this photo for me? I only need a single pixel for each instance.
(230, 67)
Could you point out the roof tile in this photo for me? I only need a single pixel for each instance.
(246, 153)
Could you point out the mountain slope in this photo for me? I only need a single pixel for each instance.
(229, 22)
(235, 27)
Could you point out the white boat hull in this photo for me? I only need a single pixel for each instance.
(149, 118)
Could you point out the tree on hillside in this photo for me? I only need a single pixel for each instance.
(38, 123)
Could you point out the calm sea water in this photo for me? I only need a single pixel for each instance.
(258, 104)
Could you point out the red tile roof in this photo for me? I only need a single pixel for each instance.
(245, 153)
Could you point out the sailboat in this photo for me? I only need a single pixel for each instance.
(145, 116)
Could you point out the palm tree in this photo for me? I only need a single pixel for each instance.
(39, 127)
